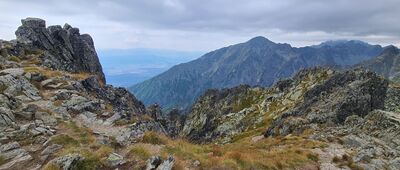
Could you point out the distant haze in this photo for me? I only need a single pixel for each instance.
(127, 67)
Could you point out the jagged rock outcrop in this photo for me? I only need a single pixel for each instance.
(354, 111)
(120, 98)
(213, 109)
(355, 92)
(64, 47)
(223, 114)
(172, 121)
(372, 140)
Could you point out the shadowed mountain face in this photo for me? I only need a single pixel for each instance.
(387, 64)
(257, 62)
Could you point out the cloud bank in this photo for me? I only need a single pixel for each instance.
(206, 25)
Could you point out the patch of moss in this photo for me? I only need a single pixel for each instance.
(14, 58)
(2, 160)
(312, 157)
(65, 140)
(33, 52)
(121, 122)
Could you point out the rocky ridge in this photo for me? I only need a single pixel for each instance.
(53, 98)
(353, 111)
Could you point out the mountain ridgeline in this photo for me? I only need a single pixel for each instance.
(257, 62)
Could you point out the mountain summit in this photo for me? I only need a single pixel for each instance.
(257, 62)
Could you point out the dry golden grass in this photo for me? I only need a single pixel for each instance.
(154, 138)
(55, 73)
(139, 151)
(14, 58)
(268, 153)
(51, 167)
(80, 140)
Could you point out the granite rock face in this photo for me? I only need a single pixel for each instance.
(220, 115)
(355, 92)
(172, 121)
(356, 110)
(66, 49)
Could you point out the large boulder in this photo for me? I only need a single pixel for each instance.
(67, 162)
(156, 163)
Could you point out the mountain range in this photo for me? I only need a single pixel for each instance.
(257, 62)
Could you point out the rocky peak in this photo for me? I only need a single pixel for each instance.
(260, 40)
(34, 23)
(66, 49)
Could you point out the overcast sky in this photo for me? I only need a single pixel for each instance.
(203, 25)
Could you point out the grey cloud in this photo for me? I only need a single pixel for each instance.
(355, 16)
(154, 22)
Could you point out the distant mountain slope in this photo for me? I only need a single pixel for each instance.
(387, 64)
(258, 61)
